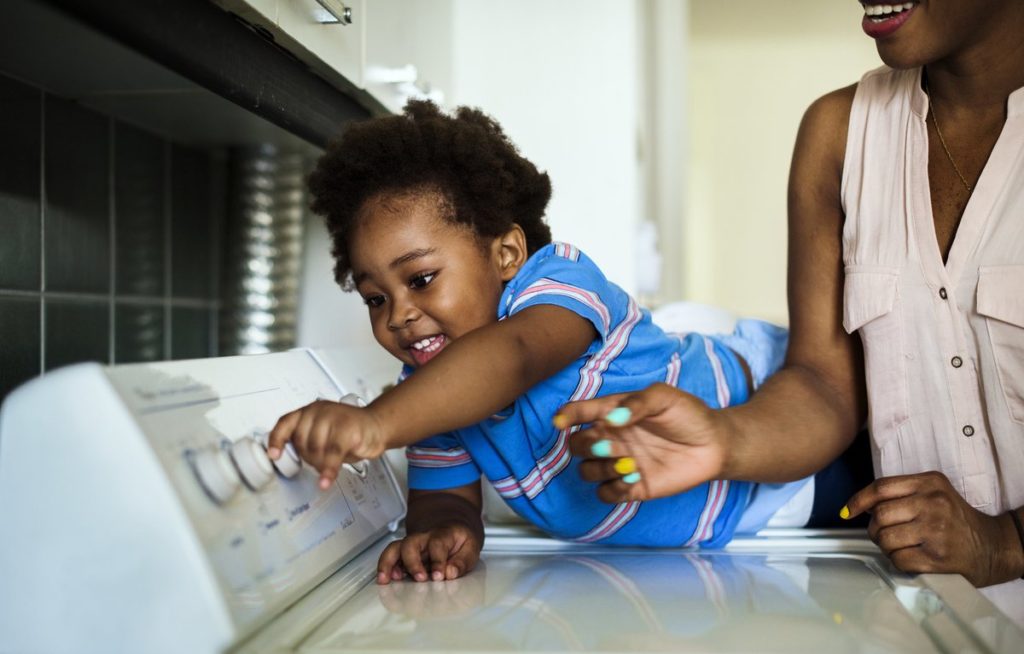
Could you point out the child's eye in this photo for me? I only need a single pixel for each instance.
(374, 301)
(422, 280)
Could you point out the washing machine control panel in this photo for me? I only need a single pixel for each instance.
(269, 532)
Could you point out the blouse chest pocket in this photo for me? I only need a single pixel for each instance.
(869, 306)
(1001, 302)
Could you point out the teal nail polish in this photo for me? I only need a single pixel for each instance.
(618, 416)
(602, 448)
(632, 478)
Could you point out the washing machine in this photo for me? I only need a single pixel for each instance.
(141, 514)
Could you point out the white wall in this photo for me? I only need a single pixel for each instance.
(562, 79)
(754, 67)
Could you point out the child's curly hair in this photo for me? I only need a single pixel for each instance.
(466, 158)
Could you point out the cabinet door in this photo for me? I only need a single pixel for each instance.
(336, 47)
(410, 43)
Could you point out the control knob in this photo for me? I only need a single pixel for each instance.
(252, 462)
(216, 474)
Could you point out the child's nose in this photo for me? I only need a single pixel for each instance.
(402, 314)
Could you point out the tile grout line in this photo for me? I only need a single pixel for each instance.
(42, 232)
(112, 211)
(168, 251)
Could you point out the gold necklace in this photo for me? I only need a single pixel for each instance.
(935, 120)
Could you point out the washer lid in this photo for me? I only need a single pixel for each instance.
(538, 595)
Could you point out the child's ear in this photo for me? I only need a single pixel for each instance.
(510, 252)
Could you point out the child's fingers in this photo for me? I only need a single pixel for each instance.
(321, 439)
(331, 465)
(586, 411)
(462, 559)
(282, 433)
(388, 562)
(438, 549)
(413, 548)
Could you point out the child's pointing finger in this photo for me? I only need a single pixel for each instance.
(282, 433)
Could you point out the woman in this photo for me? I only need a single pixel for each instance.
(906, 210)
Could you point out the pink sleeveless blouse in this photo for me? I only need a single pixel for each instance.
(943, 343)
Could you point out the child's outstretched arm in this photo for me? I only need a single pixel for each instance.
(476, 376)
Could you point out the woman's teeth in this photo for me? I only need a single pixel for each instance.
(881, 12)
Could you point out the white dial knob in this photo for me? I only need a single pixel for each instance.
(360, 467)
(216, 474)
(288, 464)
(353, 400)
(252, 461)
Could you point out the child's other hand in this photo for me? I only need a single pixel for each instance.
(327, 434)
(443, 553)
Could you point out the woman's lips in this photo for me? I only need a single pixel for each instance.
(879, 27)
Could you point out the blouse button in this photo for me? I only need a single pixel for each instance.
(942, 293)
(957, 362)
(968, 430)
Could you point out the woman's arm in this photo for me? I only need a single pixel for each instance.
(807, 413)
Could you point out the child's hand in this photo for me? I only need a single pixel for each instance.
(327, 434)
(443, 553)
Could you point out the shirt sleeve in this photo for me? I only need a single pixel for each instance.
(440, 462)
(568, 279)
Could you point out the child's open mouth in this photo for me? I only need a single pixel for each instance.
(426, 349)
(881, 20)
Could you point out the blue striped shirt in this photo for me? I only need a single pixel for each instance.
(528, 460)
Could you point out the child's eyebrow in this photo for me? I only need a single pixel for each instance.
(411, 255)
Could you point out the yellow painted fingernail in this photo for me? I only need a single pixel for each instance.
(837, 618)
(625, 465)
(560, 421)
(844, 513)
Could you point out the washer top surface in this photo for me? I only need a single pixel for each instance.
(533, 594)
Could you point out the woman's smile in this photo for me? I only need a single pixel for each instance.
(882, 20)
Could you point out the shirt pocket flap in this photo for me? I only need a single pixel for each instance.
(867, 295)
(1001, 293)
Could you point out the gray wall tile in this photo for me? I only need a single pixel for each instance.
(192, 225)
(20, 133)
(191, 333)
(139, 201)
(19, 333)
(76, 330)
(77, 216)
(138, 333)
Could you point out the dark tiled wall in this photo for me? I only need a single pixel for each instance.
(108, 239)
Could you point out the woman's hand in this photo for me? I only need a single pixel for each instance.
(653, 443)
(923, 525)
(327, 434)
(445, 552)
